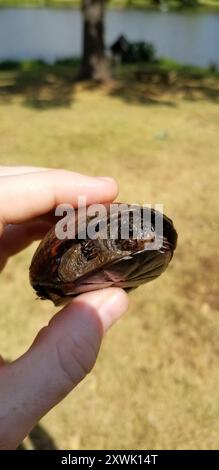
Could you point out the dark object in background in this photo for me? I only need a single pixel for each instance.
(62, 269)
(9, 65)
(120, 47)
(128, 52)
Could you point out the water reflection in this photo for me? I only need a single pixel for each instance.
(50, 34)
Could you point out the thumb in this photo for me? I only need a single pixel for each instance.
(59, 358)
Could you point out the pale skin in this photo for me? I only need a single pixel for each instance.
(66, 349)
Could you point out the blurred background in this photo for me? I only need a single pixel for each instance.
(128, 89)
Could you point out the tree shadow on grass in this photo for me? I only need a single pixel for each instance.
(133, 93)
(194, 92)
(42, 86)
(160, 87)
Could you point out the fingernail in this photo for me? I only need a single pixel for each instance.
(106, 178)
(113, 307)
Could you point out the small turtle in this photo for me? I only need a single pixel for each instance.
(63, 268)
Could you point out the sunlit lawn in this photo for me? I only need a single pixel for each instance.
(156, 383)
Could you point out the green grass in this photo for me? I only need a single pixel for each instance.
(164, 66)
(139, 4)
(43, 86)
(155, 384)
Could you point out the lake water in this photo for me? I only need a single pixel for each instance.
(49, 34)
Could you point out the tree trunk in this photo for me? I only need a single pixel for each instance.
(93, 62)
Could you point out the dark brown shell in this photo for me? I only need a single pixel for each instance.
(61, 269)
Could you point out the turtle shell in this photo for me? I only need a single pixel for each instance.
(63, 268)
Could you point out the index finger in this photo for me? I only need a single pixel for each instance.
(25, 196)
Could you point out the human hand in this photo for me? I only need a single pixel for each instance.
(66, 349)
